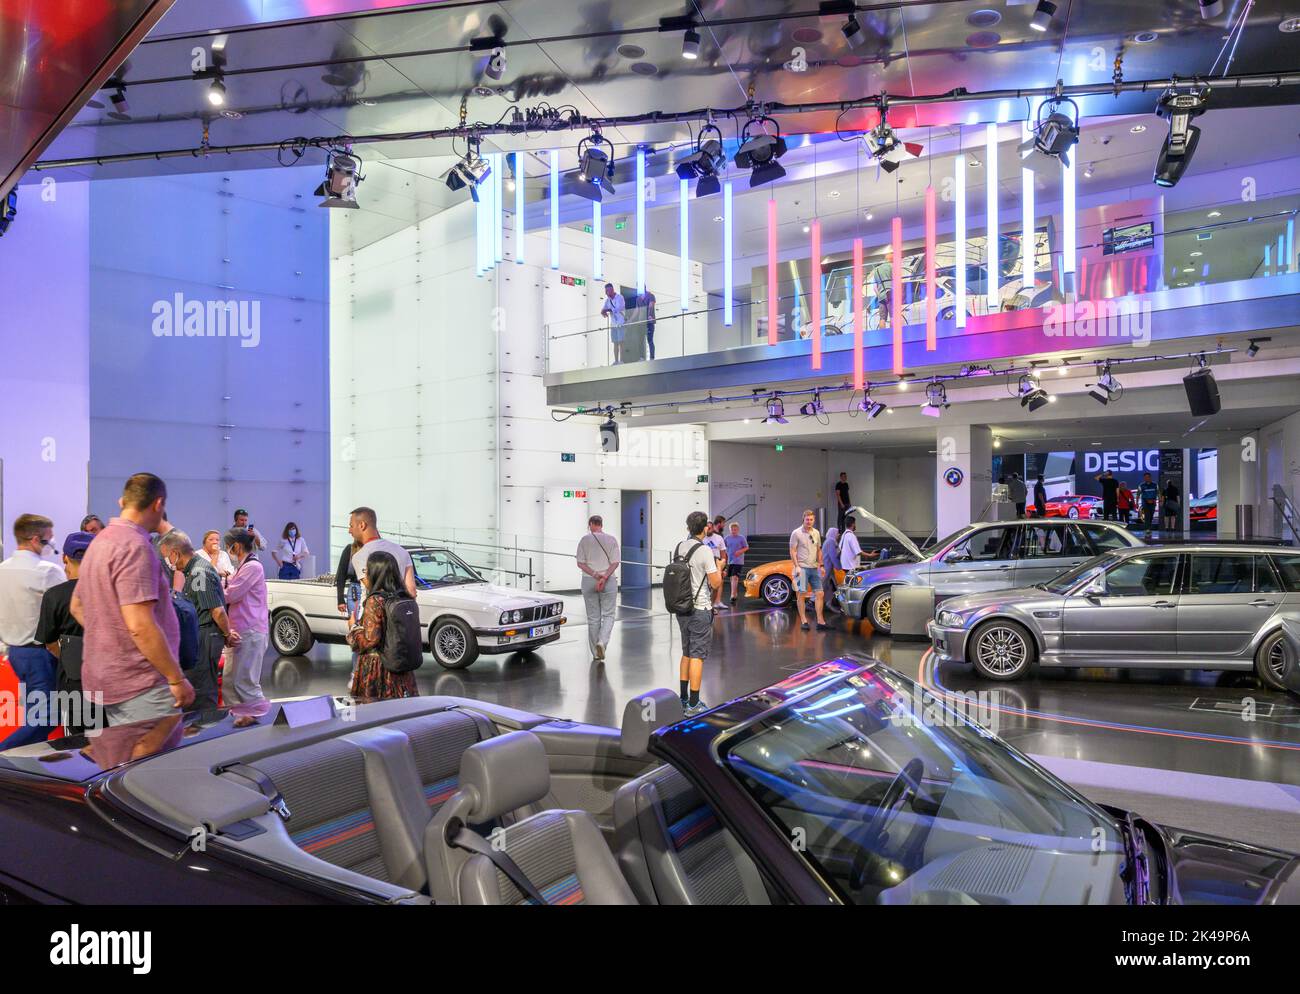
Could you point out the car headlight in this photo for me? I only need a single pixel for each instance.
(555, 608)
(504, 619)
(950, 619)
(857, 580)
(751, 576)
(517, 616)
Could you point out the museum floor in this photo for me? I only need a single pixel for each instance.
(1210, 751)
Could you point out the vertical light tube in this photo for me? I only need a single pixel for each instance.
(959, 234)
(896, 293)
(1070, 219)
(815, 270)
(683, 203)
(931, 291)
(498, 204)
(1027, 277)
(480, 241)
(555, 209)
(771, 271)
(519, 208)
(993, 295)
(727, 288)
(858, 306)
(1268, 264)
(597, 260)
(1283, 263)
(1290, 245)
(640, 222)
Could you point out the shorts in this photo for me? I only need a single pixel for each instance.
(156, 702)
(807, 579)
(736, 569)
(697, 633)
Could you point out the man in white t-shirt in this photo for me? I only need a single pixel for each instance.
(362, 526)
(850, 547)
(615, 308)
(806, 554)
(697, 627)
(714, 539)
(598, 559)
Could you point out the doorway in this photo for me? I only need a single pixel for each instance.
(635, 538)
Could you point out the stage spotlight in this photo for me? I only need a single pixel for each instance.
(936, 400)
(704, 164)
(1053, 136)
(852, 32)
(469, 173)
(871, 408)
(1253, 349)
(595, 167)
(759, 152)
(1043, 15)
(1180, 144)
(691, 44)
(1032, 395)
(775, 411)
(118, 98)
(1106, 389)
(886, 147)
(813, 408)
(342, 174)
(217, 93)
(1210, 9)
(496, 64)
(8, 210)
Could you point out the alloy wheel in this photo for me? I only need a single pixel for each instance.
(776, 591)
(883, 611)
(450, 641)
(287, 634)
(1002, 650)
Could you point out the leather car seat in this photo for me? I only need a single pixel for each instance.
(668, 841)
(560, 852)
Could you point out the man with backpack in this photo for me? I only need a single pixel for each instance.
(690, 581)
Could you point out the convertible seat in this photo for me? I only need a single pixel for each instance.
(669, 843)
(562, 853)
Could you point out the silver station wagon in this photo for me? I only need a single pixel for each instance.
(991, 555)
(1218, 607)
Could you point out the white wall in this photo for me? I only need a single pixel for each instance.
(905, 492)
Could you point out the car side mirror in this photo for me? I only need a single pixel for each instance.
(1095, 589)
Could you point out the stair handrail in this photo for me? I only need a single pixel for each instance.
(747, 505)
(1282, 501)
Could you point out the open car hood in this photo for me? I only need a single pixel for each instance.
(907, 543)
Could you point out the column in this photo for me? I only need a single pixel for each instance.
(963, 475)
(1239, 484)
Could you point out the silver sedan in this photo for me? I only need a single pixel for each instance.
(1218, 607)
(991, 555)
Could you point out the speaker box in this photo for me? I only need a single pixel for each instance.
(1202, 392)
(609, 437)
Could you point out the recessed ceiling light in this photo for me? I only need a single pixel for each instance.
(717, 217)
(1137, 129)
(834, 194)
(1164, 441)
(1197, 255)
(1145, 37)
(1290, 26)
(806, 229)
(867, 216)
(1215, 214)
(975, 163)
(1180, 284)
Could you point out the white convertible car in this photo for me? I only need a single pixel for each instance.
(463, 613)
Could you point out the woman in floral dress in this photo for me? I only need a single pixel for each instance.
(371, 681)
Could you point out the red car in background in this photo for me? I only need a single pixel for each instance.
(1069, 506)
(1204, 508)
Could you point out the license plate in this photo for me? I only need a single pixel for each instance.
(534, 633)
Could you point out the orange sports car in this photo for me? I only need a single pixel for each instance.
(774, 582)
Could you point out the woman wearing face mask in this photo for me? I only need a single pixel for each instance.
(241, 680)
(291, 552)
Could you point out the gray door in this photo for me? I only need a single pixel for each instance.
(1045, 549)
(980, 561)
(1225, 600)
(635, 538)
(1133, 620)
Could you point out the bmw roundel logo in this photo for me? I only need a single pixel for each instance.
(953, 477)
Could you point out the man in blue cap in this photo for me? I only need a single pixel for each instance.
(61, 633)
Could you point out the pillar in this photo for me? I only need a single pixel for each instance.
(963, 475)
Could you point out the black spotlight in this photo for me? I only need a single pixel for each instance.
(886, 147)
(1210, 9)
(776, 411)
(1053, 135)
(469, 173)
(759, 152)
(705, 162)
(342, 175)
(1032, 395)
(595, 167)
(852, 32)
(1180, 144)
(691, 44)
(1043, 15)
(1253, 349)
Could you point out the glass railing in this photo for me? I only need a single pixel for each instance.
(1208, 244)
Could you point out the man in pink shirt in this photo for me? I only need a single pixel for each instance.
(123, 600)
(241, 683)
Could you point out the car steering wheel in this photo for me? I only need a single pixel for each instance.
(905, 785)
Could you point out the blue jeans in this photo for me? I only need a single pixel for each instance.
(35, 666)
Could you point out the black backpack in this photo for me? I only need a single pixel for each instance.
(187, 620)
(403, 648)
(679, 597)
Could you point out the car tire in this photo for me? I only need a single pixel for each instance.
(777, 590)
(1002, 650)
(1271, 662)
(879, 609)
(948, 313)
(1072, 513)
(290, 635)
(452, 643)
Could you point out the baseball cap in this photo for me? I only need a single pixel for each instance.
(74, 546)
(239, 511)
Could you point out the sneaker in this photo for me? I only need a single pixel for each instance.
(686, 705)
(804, 626)
(733, 602)
(822, 627)
(600, 651)
(696, 708)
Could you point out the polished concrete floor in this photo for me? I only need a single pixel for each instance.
(1213, 747)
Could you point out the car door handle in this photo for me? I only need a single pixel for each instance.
(1163, 604)
(1006, 566)
(1077, 562)
(1263, 603)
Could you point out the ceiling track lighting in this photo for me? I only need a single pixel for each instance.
(852, 31)
(936, 399)
(217, 92)
(760, 149)
(469, 173)
(121, 108)
(1032, 396)
(706, 162)
(1210, 9)
(342, 174)
(1043, 14)
(1180, 144)
(885, 147)
(595, 167)
(1252, 350)
(814, 407)
(691, 44)
(1107, 388)
(1055, 135)
(496, 64)
(775, 411)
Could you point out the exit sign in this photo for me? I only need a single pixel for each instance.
(702, 478)
(575, 493)
(587, 228)
(620, 225)
(572, 280)
(780, 448)
(568, 457)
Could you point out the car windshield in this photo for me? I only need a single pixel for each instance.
(1063, 583)
(896, 798)
(438, 567)
(944, 542)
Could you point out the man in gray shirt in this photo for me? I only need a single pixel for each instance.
(1017, 492)
(697, 627)
(362, 526)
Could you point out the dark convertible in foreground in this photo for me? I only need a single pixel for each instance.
(844, 784)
